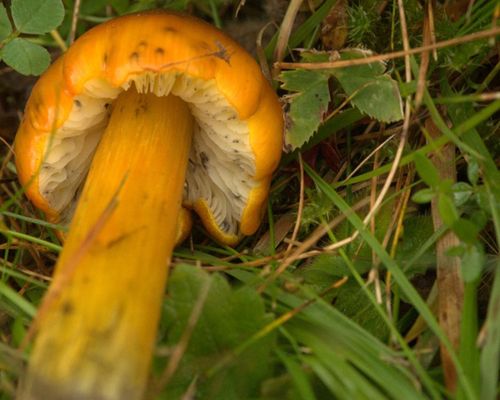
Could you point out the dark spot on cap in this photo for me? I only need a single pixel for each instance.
(169, 29)
(134, 56)
(77, 103)
(105, 58)
(142, 44)
(236, 141)
(159, 51)
(67, 308)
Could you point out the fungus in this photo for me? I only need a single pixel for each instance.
(143, 113)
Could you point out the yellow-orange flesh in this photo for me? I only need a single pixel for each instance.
(99, 321)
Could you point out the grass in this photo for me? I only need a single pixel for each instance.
(345, 306)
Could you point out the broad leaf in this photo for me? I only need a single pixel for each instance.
(26, 57)
(5, 28)
(427, 170)
(373, 92)
(358, 308)
(447, 210)
(473, 262)
(37, 16)
(307, 106)
(229, 318)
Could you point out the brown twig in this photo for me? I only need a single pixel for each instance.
(393, 55)
(424, 63)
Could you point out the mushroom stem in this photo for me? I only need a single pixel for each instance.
(99, 321)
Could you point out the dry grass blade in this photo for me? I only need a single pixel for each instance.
(180, 348)
(285, 31)
(300, 209)
(74, 21)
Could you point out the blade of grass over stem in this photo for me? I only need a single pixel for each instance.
(17, 300)
(397, 273)
(32, 220)
(29, 238)
(4, 270)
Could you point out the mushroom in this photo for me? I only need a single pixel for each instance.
(141, 114)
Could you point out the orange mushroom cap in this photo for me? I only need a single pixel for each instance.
(238, 134)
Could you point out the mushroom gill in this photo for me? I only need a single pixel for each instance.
(221, 162)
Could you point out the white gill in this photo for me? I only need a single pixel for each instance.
(221, 162)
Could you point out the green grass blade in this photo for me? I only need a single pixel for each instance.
(16, 299)
(396, 272)
(490, 354)
(29, 238)
(299, 378)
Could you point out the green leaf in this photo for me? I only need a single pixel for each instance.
(373, 92)
(26, 57)
(121, 6)
(466, 230)
(18, 330)
(298, 375)
(462, 192)
(228, 319)
(307, 106)
(472, 263)
(407, 88)
(37, 16)
(5, 28)
(368, 70)
(447, 210)
(415, 251)
(424, 196)
(426, 170)
(358, 308)
(473, 170)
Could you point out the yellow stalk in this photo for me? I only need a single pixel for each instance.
(98, 324)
